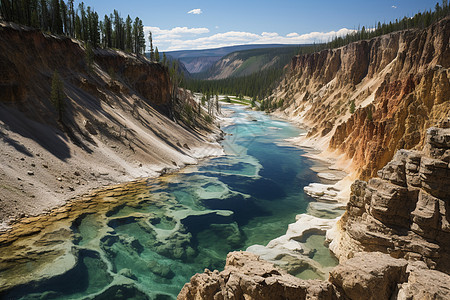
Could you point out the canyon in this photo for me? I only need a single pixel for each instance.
(393, 240)
(378, 109)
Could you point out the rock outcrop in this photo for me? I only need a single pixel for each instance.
(247, 277)
(366, 276)
(398, 83)
(406, 210)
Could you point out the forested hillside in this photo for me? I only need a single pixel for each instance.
(83, 23)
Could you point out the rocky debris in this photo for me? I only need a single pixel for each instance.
(424, 284)
(247, 277)
(371, 275)
(406, 210)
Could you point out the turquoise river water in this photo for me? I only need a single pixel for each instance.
(149, 244)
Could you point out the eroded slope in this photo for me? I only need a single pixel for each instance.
(120, 121)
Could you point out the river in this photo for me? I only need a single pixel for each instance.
(147, 238)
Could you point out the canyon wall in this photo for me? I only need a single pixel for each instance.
(393, 242)
(364, 104)
(405, 211)
(399, 85)
(120, 121)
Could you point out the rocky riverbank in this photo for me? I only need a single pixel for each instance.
(371, 276)
(392, 241)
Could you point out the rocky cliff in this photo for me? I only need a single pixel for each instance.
(399, 85)
(405, 211)
(393, 242)
(120, 121)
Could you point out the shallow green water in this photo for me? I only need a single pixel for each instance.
(189, 221)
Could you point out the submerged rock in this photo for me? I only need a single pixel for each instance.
(291, 251)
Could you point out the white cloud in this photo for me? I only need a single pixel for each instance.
(184, 38)
(176, 32)
(195, 11)
(393, 6)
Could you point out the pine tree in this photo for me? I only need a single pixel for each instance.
(136, 35)
(107, 27)
(352, 106)
(71, 16)
(83, 23)
(128, 34)
(164, 62)
(57, 96)
(77, 27)
(157, 55)
(141, 38)
(152, 54)
(44, 15)
(64, 17)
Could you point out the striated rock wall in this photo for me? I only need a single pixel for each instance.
(150, 80)
(405, 211)
(399, 83)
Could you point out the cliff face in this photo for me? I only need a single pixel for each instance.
(405, 211)
(393, 242)
(117, 124)
(399, 84)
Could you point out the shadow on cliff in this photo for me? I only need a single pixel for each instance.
(49, 138)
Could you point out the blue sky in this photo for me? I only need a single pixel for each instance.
(213, 23)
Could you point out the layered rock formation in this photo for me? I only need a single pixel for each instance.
(399, 84)
(118, 123)
(406, 210)
(366, 276)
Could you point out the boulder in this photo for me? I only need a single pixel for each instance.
(369, 276)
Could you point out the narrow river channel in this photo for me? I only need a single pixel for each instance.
(146, 239)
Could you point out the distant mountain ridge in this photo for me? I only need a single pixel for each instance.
(247, 62)
(197, 61)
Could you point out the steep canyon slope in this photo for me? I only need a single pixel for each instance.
(398, 84)
(393, 241)
(120, 121)
(365, 103)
